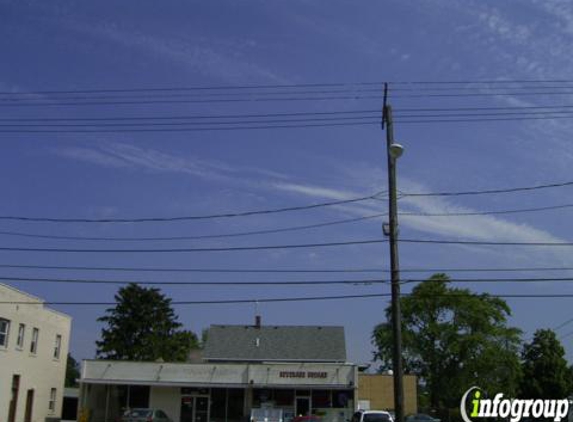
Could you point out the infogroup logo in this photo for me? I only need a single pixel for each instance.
(515, 409)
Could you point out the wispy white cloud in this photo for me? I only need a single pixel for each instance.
(205, 56)
(315, 191)
(92, 156)
(124, 155)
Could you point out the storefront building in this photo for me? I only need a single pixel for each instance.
(286, 371)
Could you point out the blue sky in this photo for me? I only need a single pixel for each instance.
(68, 45)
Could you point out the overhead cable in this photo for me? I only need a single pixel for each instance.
(190, 217)
(295, 299)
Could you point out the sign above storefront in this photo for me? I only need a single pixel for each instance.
(302, 374)
(338, 376)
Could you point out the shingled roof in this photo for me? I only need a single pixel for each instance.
(235, 343)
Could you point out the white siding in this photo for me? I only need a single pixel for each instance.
(39, 371)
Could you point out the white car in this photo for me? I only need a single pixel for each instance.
(372, 416)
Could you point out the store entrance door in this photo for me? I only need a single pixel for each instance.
(302, 406)
(195, 409)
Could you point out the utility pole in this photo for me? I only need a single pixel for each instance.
(394, 151)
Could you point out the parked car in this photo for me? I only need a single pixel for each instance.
(372, 416)
(421, 417)
(145, 415)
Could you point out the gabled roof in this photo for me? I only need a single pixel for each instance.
(234, 343)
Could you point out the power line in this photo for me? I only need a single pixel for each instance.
(194, 88)
(498, 212)
(191, 117)
(489, 191)
(190, 270)
(491, 81)
(163, 95)
(192, 101)
(196, 237)
(195, 129)
(193, 217)
(358, 282)
(295, 299)
(149, 125)
(480, 242)
(482, 94)
(488, 108)
(530, 86)
(211, 302)
(494, 280)
(277, 270)
(447, 112)
(197, 283)
(428, 115)
(480, 88)
(563, 324)
(288, 246)
(179, 123)
(481, 120)
(267, 118)
(190, 250)
(515, 269)
(348, 85)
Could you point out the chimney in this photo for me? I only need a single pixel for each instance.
(257, 321)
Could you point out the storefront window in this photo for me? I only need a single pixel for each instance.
(138, 396)
(235, 405)
(284, 398)
(342, 399)
(321, 399)
(262, 396)
(218, 405)
(117, 401)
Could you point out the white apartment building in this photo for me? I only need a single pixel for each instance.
(34, 343)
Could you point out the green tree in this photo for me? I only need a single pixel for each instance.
(143, 327)
(453, 339)
(545, 371)
(72, 372)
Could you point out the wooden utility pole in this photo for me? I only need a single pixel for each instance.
(394, 151)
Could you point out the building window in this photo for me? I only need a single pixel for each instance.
(4, 330)
(34, 343)
(52, 403)
(57, 346)
(21, 331)
(235, 401)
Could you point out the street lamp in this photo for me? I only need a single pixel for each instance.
(396, 151)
